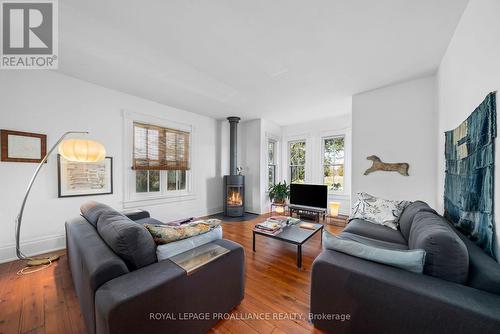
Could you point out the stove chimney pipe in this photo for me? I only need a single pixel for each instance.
(233, 144)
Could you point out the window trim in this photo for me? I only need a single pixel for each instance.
(133, 199)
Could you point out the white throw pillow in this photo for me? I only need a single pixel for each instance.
(378, 210)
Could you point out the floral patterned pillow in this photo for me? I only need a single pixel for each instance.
(164, 234)
(378, 210)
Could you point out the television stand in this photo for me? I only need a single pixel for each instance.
(307, 211)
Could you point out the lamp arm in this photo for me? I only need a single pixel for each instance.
(19, 217)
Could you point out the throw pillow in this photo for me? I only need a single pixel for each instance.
(378, 210)
(410, 260)
(129, 240)
(164, 234)
(92, 210)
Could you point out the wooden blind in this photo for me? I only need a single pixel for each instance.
(158, 148)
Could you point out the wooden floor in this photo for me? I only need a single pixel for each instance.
(45, 302)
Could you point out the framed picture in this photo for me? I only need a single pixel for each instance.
(84, 178)
(17, 146)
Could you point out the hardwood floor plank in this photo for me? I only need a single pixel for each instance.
(32, 312)
(10, 306)
(46, 302)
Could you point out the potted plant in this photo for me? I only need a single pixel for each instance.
(279, 192)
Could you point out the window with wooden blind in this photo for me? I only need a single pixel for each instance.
(160, 161)
(160, 149)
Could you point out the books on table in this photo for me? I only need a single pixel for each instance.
(269, 227)
(284, 220)
(275, 224)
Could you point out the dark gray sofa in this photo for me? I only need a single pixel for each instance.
(384, 299)
(156, 298)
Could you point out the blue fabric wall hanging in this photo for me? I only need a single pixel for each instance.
(469, 176)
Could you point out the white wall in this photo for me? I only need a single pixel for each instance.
(52, 103)
(469, 70)
(251, 162)
(398, 124)
(313, 132)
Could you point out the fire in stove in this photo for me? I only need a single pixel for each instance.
(234, 197)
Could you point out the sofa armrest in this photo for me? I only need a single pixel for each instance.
(136, 214)
(155, 298)
(381, 298)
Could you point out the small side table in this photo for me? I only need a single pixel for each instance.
(334, 221)
(279, 205)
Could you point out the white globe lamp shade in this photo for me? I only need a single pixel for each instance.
(82, 150)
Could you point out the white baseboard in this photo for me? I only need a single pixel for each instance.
(214, 211)
(33, 247)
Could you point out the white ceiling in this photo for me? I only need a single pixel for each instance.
(283, 60)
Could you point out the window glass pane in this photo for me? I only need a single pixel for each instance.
(171, 180)
(271, 148)
(153, 144)
(333, 177)
(141, 181)
(140, 139)
(182, 180)
(154, 180)
(272, 174)
(297, 174)
(298, 153)
(334, 151)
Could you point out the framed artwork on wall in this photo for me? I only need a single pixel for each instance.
(17, 146)
(84, 179)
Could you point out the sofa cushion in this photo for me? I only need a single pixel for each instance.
(92, 210)
(447, 257)
(410, 260)
(408, 214)
(173, 248)
(484, 271)
(374, 231)
(373, 242)
(129, 240)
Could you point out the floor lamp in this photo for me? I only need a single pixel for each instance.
(76, 150)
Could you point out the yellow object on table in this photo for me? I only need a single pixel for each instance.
(334, 209)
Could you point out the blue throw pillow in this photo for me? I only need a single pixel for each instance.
(410, 260)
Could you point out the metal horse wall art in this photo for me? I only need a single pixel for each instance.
(401, 168)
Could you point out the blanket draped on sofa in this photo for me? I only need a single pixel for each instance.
(469, 176)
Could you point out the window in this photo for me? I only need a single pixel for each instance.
(147, 181)
(297, 161)
(333, 163)
(271, 162)
(160, 159)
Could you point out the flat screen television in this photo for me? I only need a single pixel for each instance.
(314, 195)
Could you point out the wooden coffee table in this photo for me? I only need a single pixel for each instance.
(293, 234)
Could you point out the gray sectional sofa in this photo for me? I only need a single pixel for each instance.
(459, 291)
(122, 288)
